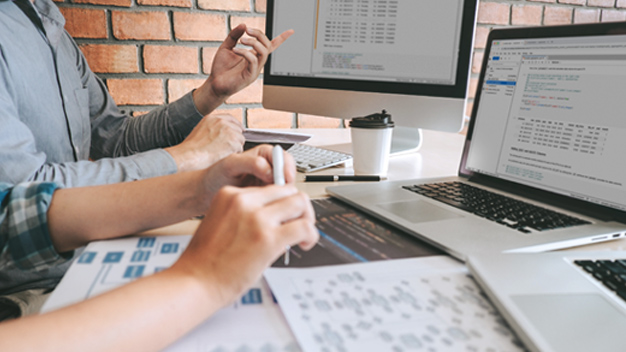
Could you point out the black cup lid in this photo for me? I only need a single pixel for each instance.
(377, 120)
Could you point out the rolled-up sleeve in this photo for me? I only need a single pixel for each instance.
(24, 234)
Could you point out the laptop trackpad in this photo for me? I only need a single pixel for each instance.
(418, 211)
(561, 317)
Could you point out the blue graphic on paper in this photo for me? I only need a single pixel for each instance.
(252, 297)
(113, 257)
(86, 257)
(168, 248)
(140, 256)
(134, 271)
(146, 242)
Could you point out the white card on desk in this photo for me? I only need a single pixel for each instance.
(426, 303)
(252, 323)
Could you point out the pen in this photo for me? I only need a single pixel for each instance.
(278, 165)
(330, 178)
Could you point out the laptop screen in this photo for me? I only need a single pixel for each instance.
(552, 115)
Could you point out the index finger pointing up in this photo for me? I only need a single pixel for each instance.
(276, 42)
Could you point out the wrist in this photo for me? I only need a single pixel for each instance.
(205, 294)
(199, 278)
(206, 98)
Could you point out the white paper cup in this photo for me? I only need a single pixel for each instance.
(371, 143)
(370, 150)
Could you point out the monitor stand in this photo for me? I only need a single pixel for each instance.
(406, 140)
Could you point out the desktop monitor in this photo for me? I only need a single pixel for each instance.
(350, 58)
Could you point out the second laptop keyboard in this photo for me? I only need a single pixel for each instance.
(309, 158)
(611, 273)
(504, 210)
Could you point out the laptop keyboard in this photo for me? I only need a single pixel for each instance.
(611, 273)
(507, 211)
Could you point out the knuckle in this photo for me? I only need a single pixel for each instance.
(227, 192)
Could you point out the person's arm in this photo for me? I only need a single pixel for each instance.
(243, 233)
(233, 69)
(81, 215)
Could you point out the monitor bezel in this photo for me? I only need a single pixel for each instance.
(457, 90)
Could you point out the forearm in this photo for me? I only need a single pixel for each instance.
(146, 315)
(79, 215)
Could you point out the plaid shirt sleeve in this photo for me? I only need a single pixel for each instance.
(24, 237)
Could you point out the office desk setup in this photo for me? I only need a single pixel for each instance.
(264, 326)
(439, 156)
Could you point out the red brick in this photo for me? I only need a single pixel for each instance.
(621, 4)
(252, 22)
(230, 5)
(601, 3)
(236, 113)
(251, 94)
(103, 58)
(586, 15)
(526, 15)
(573, 2)
(551, 1)
(262, 118)
(172, 3)
(121, 3)
(136, 91)
(493, 13)
(312, 121)
(153, 25)
(195, 26)
(85, 23)
(176, 88)
(207, 59)
(260, 6)
(170, 59)
(480, 37)
(557, 15)
(613, 15)
(477, 61)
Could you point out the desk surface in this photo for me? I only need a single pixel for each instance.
(439, 156)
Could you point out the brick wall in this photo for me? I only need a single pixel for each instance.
(151, 52)
(507, 13)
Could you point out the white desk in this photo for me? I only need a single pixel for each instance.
(439, 155)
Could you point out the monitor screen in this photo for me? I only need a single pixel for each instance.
(352, 58)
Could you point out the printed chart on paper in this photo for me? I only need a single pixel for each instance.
(420, 304)
(252, 323)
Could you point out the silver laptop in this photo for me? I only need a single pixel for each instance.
(543, 164)
(560, 301)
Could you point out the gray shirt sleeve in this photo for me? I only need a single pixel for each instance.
(121, 148)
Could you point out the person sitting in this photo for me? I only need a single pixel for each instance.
(60, 124)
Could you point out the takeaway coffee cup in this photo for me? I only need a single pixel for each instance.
(371, 143)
